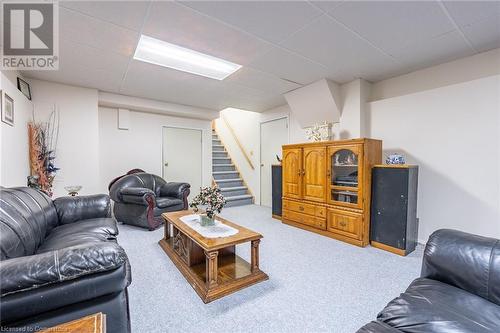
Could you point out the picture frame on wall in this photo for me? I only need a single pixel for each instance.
(7, 109)
(24, 87)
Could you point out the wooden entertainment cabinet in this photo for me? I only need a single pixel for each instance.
(327, 187)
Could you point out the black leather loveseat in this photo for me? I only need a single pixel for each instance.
(458, 290)
(140, 198)
(59, 261)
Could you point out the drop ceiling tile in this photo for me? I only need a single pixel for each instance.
(340, 50)
(131, 13)
(432, 52)
(270, 20)
(393, 24)
(466, 12)
(177, 24)
(259, 80)
(164, 84)
(72, 74)
(289, 66)
(327, 5)
(84, 56)
(83, 29)
(485, 34)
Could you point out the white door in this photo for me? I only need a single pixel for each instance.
(182, 160)
(273, 135)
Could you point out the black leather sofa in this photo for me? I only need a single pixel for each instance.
(59, 261)
(140, 199)
(458, 290)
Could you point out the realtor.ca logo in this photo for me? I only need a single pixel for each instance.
(30, 36)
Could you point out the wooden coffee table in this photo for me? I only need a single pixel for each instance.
(210, 265)
(95, 323)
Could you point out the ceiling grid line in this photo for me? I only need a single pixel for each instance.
(356, 33)
(250, 34)
(457, 27)
(146, 16)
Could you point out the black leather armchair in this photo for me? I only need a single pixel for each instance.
(59, 261)
(458, 290)
(140, 198)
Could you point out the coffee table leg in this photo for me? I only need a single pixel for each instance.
(167, 229)
(255, 256)
(211, 268)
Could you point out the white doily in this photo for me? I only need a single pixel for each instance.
(214, 231)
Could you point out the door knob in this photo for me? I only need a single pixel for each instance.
(261, 165)
(166, 164)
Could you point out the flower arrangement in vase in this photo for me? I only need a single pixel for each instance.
(42, 142)
(213, 200)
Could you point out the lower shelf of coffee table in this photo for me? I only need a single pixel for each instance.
(233, 273)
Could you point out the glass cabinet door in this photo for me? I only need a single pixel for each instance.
(344, 170)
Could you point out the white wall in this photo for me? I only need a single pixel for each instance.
(77, 152)
(246, 126)
(141, 145)
(462, 70)
(452, 133)
(14, 149)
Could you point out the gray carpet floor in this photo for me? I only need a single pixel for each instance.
(317, 284)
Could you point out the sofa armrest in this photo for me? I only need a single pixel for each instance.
(137, 195)
(72, 209)
(175, 190)
(39, 270)
(463, 260)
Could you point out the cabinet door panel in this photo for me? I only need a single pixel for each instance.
(345, 175)
(314, 174)
(345, 223)
(292, 168)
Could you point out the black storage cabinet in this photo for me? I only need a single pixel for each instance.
(393, 221)
(277, 189)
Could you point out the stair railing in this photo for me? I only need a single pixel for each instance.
(233, 133)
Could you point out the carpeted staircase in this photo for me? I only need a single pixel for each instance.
(227, 177)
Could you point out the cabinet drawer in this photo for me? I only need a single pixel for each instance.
(299, 207)
(345, 223)
(305, 219)
(320, 211)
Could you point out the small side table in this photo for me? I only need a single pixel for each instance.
(95, 323)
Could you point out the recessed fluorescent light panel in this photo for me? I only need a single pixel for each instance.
(161, 53)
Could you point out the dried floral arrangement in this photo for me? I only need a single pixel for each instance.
(43, 138)
(319, 132)
(211, 198)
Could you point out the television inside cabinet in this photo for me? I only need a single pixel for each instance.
(327, 187)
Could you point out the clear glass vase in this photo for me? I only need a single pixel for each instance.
(206, 221)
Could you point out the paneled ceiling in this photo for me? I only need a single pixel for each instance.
(282, 45)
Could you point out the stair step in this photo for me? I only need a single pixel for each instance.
(239, 197)
(229, 180)
(219, 175)
(239, 200)
(225, 183)
(219, 154)
(221, 160)
(218, 148)
(223, 167)
(227, 189)
(234, 191)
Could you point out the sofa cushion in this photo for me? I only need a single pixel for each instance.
(377, 327)
(432, 306)
(164, 202)
(81, 232)
(48, 281)
(77, 208)
(26, 217)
